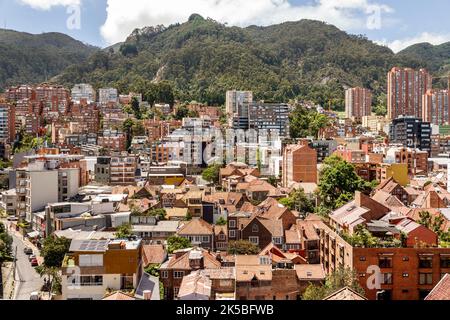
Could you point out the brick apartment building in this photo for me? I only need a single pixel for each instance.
(299, 164)
(358, 103)
(405, 90)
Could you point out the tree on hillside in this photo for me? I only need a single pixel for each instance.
(242, 247)
(135, 106)
(337, 280)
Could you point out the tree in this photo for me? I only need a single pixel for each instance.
(136, 108)
(182, 112)
(53, 278)
(338, 182)
(426, 219)
(221, 221)
(138, 129)
(299, 201)
(304, 122)
(212, 173)
(158, 213)
(128, 49)
(54, 250)
(5, 245)
(242, 247)
(127, 127)
(124, 231)
(153, 270)
(175, 243)
(340, 278)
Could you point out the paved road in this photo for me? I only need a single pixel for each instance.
(27, 279)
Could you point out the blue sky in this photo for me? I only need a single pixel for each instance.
(103, 22)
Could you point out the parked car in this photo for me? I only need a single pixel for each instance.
(12, 218)
(34, 263)
(32, 257)
(35, 296)
(28, 251)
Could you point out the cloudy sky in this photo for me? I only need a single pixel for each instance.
(396, 23)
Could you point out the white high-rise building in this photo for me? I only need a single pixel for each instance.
(83, 91)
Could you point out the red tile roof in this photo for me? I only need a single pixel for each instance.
(442, 290)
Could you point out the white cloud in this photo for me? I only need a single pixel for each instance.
(124, 16)
(48, 4)
(399, 45)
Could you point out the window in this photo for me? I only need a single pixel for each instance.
(405, 275)
(445, 262)
(405, 258)
(425, 278)
(91, 260)
(232, 234)
(254, 240)
(178, 274)
(385, 262)
(386, 278)
(164, 274)
(89, 281)
(255, 228)
(362, 258)
(205, 239)
(222, 237)
(277, 240)
(175, 291)
(426, 262)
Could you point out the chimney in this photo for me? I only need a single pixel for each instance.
(358, 198)
(147, 295)
(304, 142)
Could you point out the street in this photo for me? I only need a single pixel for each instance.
(27, 279)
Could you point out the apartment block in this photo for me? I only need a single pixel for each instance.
(411, 132)
(358, 103)
(102, 265)
(273, 117)
(107, 95)
(7, 122)
(299, 164)
(405, 90)
(116, 170)
(82, 92)
(436, 107)
(237, 106)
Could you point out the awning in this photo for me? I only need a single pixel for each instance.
(33, 234)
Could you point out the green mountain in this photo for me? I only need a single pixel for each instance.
(32, 58)
(203, 58)
(435, 58)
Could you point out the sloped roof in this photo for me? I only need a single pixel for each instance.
(182, 262)
(195, 284)
(119, 296)
(311, 272)
(153, 254)
(196, 227)
(441, 291)
(345, 294)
